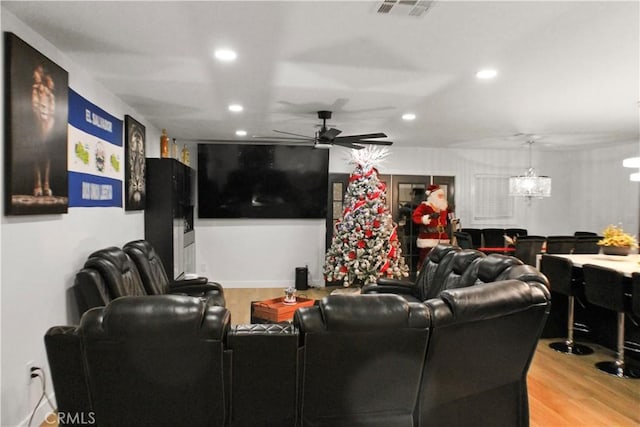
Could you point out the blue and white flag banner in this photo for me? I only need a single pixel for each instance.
(95, 155)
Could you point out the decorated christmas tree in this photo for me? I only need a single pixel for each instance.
(365, 242)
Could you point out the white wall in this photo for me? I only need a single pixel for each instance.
(41, 254)
(241, 253)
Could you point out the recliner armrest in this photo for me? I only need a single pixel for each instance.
(198, 283)
(391, 286)
(211, 291)
(64, 354)
(195, 281)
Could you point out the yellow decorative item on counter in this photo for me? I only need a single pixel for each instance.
(616, 242)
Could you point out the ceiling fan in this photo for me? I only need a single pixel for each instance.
(326, 137)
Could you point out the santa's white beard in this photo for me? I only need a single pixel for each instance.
(439, 204)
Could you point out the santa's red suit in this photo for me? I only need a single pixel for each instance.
(432, 216)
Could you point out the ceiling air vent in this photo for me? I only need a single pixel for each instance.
(405, 7)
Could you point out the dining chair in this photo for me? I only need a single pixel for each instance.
(584, 233)
(493, 237)
(604, 287)
(560, 244)
(514, 233)
(527, 249)
(559, 271)
(476, 236)
(463, 240)
(586, 245)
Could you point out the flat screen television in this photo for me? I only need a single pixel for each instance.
(262, 181)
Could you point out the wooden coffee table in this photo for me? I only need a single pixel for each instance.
(275, 310)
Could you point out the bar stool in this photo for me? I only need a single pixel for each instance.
(604, 287)
(559, 271)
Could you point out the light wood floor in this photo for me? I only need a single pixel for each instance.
(563, 390)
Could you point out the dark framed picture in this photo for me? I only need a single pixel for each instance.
(36, 131)
(135, 173)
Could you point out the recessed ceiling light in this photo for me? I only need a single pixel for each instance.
(408, 116)
(631, 162)
(634, 177)
(241, 133)
(236, 108)
(226, 55)
(486, 74)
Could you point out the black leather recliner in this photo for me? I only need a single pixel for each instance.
(482, 340)
(154, 276)
(450, 268)
(434, 266)
(156, 361)
(110, 273)
(361, 360)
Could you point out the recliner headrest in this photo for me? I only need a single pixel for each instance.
(142, 246)
(489, 300)
(114, 255)
(463, 259)
(528, 273)
(118, 271)
(493, 265)
(174, 316)
(371, 312)
(440, 251)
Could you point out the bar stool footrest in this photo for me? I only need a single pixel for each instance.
(612, 368)
(575, 349)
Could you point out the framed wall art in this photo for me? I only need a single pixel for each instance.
(135, 173)
(36, 131)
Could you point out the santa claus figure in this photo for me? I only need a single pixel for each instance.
(432, 216)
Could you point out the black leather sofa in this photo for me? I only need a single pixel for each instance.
(377, 359)
(136, 270)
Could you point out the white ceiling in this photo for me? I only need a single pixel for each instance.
(568, 71)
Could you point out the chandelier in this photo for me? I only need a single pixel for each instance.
(530, 185)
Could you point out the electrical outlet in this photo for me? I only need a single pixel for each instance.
(32, 370)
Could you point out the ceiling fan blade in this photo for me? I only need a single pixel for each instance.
(348, 145)
(283, 138)
(256, 141)
(294, 134)
(363, 136)
(365, 141)
(331, 133)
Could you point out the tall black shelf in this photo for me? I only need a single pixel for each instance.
(168, 217)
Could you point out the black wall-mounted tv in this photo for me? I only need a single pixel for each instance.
(262, 181)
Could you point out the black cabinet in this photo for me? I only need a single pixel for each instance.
(168, 216)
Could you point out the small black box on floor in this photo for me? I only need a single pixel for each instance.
(301, 278)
